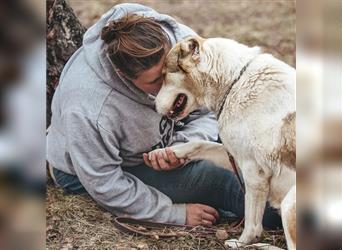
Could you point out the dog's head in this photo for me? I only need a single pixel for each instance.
(181, 92)
(193, 71)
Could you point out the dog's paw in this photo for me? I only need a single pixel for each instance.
(234, 244)
(264, 246)
(187, 150)
(180, 153)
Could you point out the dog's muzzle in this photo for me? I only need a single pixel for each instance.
(178, 106)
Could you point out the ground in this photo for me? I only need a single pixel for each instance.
(77, 222)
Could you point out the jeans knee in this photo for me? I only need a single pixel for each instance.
(214, 175)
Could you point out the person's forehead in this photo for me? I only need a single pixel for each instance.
(151, 74)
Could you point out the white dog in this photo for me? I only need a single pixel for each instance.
(253, 96)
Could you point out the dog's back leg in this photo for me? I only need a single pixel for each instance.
(204, 150)
(288, 216)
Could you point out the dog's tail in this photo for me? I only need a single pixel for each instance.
(288, 140)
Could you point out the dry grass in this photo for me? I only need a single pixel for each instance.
(76, 222)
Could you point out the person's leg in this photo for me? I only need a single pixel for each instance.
(202, 182)
(70, 183)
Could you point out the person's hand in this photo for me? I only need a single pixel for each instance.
(199, 214)
(162, 159)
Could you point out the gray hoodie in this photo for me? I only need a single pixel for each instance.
(101, 122)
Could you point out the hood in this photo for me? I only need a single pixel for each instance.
(94, 48)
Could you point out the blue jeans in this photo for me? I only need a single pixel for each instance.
(70, 183)
(198, 182)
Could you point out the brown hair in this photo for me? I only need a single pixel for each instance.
(134, 43)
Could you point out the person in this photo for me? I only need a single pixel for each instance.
(104, 123)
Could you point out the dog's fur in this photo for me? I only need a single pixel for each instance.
(257, 123)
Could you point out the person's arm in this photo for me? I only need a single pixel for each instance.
(199, 125)
(94, 152)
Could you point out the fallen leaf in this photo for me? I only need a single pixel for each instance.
(142, 246)
(182, 233)
(156, 236)
(221, 234)
(141, 228)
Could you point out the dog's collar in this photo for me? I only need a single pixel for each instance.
(230, 87)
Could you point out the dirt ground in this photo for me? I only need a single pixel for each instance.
(77, 222)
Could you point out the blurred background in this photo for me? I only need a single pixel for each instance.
(319, 124)
(269, 24)
(22, 124)
(315, 52)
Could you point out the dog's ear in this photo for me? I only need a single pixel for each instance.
(191, 47)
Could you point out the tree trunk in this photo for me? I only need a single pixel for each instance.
(63, 36)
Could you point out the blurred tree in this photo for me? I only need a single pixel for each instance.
(64, 36)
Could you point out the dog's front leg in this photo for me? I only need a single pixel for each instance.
(255, 202)
(257, 189)
(204, 150)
